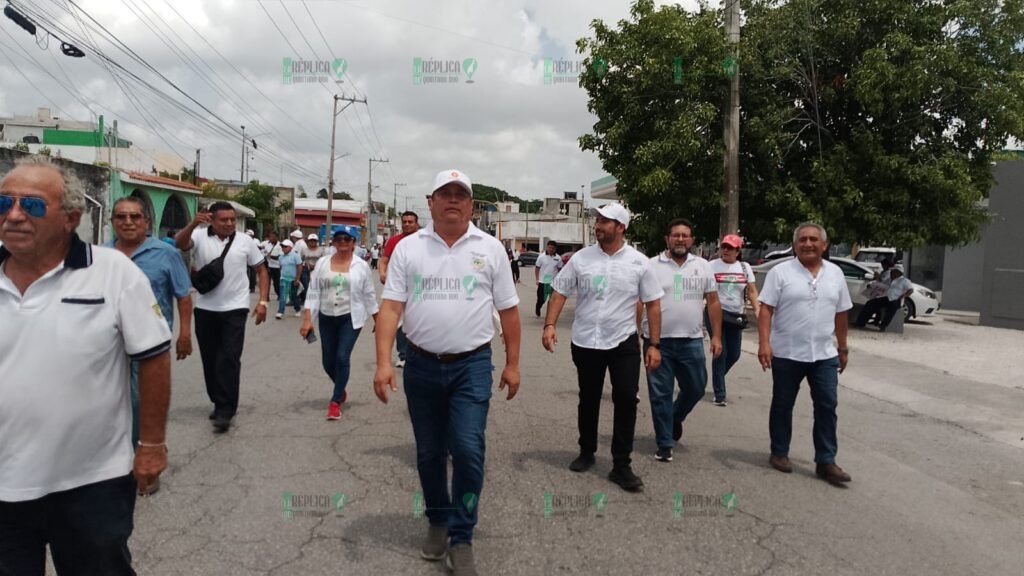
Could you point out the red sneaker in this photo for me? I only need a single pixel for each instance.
(334, 411)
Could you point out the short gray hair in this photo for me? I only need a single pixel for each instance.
(74, 188)
(819, 227)
(136, 200)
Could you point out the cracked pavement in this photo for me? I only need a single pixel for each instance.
(931, 493)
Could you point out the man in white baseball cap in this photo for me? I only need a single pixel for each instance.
(612, 211)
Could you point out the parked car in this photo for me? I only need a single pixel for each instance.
(872, 257)
(777, 254)
(528, 258)
(922, 302)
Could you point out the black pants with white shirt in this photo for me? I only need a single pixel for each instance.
(623, 365)
(221, 336)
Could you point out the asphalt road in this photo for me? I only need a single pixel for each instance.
(930, 494)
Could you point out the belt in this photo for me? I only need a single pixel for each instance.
(447, 358)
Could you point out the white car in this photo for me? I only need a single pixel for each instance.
(922, 302)
(872, 257)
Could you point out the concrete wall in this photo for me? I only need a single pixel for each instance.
(97, 186)
(962, 277)
(1003, 269)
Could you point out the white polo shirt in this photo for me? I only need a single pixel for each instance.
(233, 291)
(449, 293)
(804, 322)
(607, 289)
(65, 403)
(682, 306)
(548, 267)
(272, 252)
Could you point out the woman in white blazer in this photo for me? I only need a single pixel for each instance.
(341, 298)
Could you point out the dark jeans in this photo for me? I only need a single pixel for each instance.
(448, 406)
(732, 341)
(87, 529)
(337, 338)
(275, 280)
(221, 336)
(543, 291)
(823, 380)
(401, 344)
(304, 280)
(682, 360)
(871, 307)
(623, 364)
(515, 271)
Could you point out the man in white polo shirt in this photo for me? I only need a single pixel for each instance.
(803, 317)
(73, 317)
(447, 278)
(547, 266)
(608, 279)
(687, 280)
(221, 313)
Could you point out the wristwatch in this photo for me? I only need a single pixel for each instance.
(655, 345)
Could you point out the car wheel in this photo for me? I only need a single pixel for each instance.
(911, 310)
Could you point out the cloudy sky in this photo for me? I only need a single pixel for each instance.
(506, 128)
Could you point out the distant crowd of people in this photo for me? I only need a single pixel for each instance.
(87, 335)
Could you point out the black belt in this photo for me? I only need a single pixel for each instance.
(447, 358)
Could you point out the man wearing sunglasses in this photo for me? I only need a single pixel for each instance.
(73, 317)
(163, 266)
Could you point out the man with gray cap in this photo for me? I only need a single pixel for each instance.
(608, 278)
(447, 278)
(890, 302)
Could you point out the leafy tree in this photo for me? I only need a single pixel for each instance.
(45, 151)
(301, 192)
(322, 193)
(216, 191)
(878, 118)
(262, 198)
(21, 147)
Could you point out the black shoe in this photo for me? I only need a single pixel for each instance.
(221, 424)
(624, 477)
(582, 463)
(663, 455)
(677, 430)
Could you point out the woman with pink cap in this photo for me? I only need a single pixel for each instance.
(735, 279)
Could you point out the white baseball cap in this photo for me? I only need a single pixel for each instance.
(296, 234)
(613, 211)
(448, 176)
(288, 243)
(313, 237)
(899, 268)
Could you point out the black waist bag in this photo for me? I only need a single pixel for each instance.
(208, 277)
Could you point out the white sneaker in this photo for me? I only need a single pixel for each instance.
(278, 315)
(399, 363)
(298, 314)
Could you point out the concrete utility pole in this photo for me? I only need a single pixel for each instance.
(395, 204)
(370, 225)
(330, 169)
(195, 169)
(730, 215)
(241, 173)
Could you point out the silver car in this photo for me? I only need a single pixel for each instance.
(922, 302)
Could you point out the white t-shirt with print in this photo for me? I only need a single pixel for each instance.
(732, 282)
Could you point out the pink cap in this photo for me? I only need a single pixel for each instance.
(733, 240)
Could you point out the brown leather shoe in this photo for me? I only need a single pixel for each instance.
(781, 463)
(831, 473)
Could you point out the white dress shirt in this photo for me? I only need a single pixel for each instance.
(804, 322)
(685, 287)
(607, 289)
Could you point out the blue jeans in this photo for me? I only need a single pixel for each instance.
(337, 338)
(87, 529)
(682, 359)
(287, 295)
(401, 344)
(823, 380)
(732, 341)
(448, 406)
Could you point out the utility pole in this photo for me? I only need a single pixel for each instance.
(395, 204)
(241, 173)
(583, 216)
(369, 201)
(330, 169)
(729, 222)
(195, 169)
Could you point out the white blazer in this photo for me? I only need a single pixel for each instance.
(364, 298)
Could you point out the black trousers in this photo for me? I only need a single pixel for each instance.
(87, 529)
(275, 280)
(623, 364)
(221, 336)
(543, 291)
(887, 308)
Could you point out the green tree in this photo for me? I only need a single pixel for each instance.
(262, 198)
(878, 118)
(211, 190)
(21, 147)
